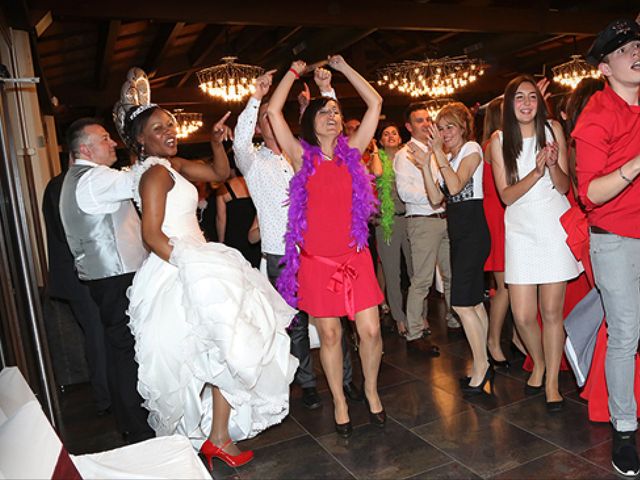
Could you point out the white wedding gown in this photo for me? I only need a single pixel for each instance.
(207, 318)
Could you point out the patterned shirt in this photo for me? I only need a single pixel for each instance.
(267, 175)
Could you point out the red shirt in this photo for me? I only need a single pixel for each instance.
(607, 136)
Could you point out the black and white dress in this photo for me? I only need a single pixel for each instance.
(468, 234)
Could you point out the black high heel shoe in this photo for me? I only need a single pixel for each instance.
(478, 389)
(344, 429)
(498, 363)
(530, 390)
(378, 419)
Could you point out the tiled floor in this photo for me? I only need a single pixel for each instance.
(433, 432)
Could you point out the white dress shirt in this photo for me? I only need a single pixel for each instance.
(102, 189)
(267, 175)
(410, 183)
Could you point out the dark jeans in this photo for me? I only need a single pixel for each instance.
(299, 334)
(110, 294)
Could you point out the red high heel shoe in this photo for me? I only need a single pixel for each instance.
(209, 451)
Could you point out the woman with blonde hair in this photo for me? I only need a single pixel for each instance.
(459, 162)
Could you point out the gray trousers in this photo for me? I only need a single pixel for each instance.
(390, 256)
(299, 334)
(429, 245)
(616, 268)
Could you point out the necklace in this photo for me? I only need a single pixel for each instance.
(326, 157)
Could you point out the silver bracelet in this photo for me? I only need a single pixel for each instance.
(622, 175)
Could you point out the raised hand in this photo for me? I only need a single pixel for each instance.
(337, 62)
(417, 156)
(304, 97)
(299, 66)
(322, 77)
(220, 131)
(543, 85)
(263, 84)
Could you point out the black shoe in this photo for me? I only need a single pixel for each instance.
(624, 457)
(423, 346)
(352, 392)
(556, 406)
(310, 398)
(344, 429)
(378, 419)
(530, 390)
(489, 376)
(498, 363)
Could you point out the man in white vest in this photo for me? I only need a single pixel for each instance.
(103, 232)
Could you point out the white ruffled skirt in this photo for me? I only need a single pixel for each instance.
(209, 318)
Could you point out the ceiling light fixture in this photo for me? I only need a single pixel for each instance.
(433, 77)
(187, 122)
(571, 73)
(229, 81)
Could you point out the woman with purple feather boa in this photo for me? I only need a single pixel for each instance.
(327, 266)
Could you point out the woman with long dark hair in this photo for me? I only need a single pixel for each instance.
(327, 266)
(530, 171)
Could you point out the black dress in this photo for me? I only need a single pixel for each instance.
(241, 213)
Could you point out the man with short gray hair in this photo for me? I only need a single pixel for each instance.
(104, 235)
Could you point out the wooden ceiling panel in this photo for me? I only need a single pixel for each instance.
(95, 43)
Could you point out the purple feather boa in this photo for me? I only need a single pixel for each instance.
(363, 206)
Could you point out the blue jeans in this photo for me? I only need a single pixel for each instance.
(616, 268)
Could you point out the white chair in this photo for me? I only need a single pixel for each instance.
(30, 448)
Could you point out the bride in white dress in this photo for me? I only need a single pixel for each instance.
(211, 344)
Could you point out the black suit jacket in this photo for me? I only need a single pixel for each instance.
(63, 280)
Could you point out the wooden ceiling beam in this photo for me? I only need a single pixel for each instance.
(106, 43)
(347, 13)
(165, 37)
(210, 36)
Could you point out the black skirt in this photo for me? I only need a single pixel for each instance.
(470, 246)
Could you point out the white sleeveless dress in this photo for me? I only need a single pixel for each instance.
(207, 317)
(536, 250)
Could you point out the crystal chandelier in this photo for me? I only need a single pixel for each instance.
(434, 106)
(187, 122)
(230, 81)
(433, 77)
(570, 74)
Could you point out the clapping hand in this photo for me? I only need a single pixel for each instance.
(417, 156)
(263, 84)
(435, 139)
(553, 151)
(541, 162)
(221, 132)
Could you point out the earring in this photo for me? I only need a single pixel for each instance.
(142, 152)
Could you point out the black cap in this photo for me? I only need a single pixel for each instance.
(617, 33)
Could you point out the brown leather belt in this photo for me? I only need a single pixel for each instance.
(599, 230)
(433, 215)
